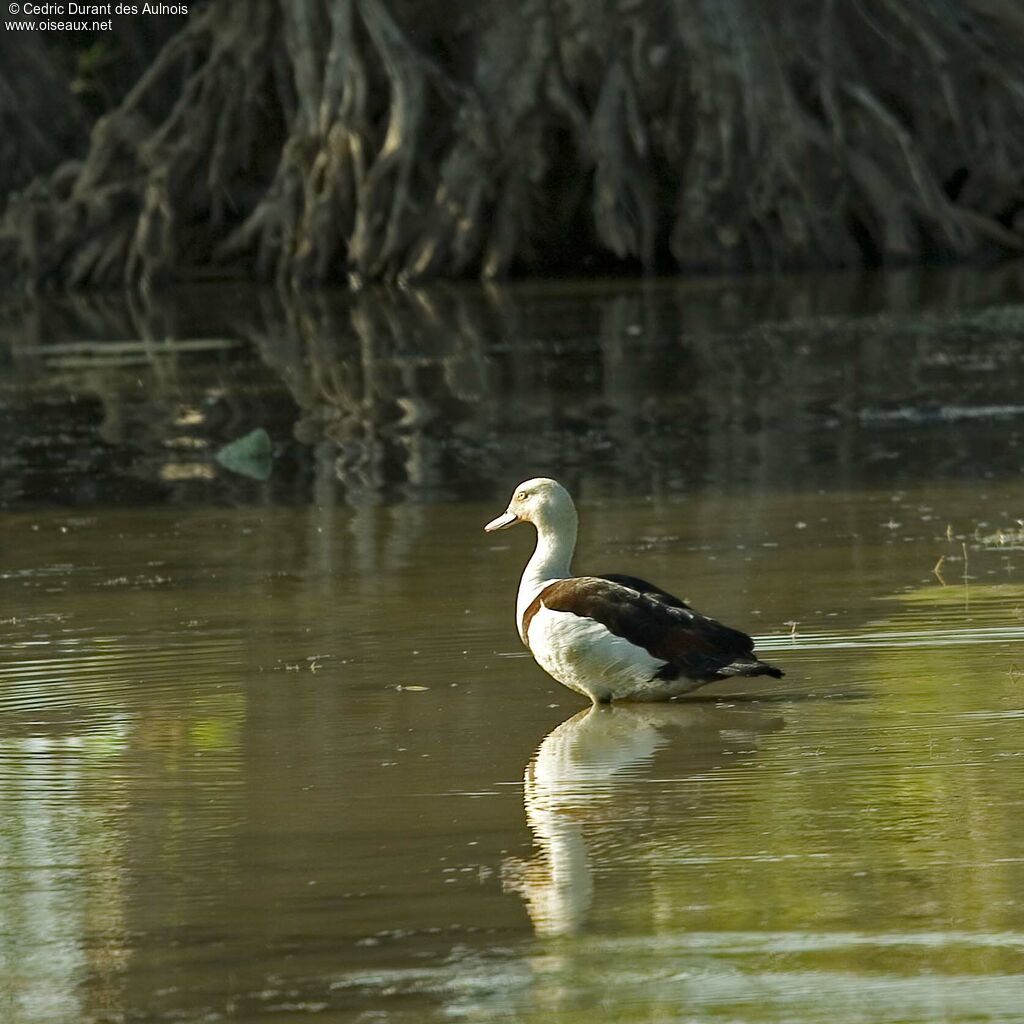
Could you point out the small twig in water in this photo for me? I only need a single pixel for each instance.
(949, 531)
(938, 570)
(792, 623)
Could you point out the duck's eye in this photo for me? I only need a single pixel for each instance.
(522, 496)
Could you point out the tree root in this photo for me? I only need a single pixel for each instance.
(385, 139)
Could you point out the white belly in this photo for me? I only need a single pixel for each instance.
(585, 656)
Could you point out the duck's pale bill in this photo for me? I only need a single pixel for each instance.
(503, 521)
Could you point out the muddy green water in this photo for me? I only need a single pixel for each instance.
(270, 749)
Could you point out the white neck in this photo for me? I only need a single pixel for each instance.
(551, 560)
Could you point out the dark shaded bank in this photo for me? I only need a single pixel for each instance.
(456, 391)
(391, 139)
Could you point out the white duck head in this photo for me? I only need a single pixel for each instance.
(546, 504)
(541, 501)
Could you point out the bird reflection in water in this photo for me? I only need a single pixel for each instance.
(580, 804)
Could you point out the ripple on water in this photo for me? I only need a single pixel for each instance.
(932, 616)
(94, 671)
(81, 717)
(751, 977)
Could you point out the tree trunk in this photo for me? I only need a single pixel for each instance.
(396, 139)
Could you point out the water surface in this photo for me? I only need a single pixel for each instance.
(270, 750)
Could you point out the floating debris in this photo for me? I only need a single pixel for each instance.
(1005, 538)
(249, 456)
(940, 413)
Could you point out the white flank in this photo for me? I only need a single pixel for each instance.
(587, 657)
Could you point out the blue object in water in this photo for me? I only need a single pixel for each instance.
(250, 455)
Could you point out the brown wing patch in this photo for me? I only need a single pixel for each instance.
(529, 614)
(643, 587)
(691, 643)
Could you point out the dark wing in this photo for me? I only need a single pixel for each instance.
(692, 644)
(643, 587)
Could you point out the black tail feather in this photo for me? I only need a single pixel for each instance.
(751, 668)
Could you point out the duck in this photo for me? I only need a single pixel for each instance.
(612, 637)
